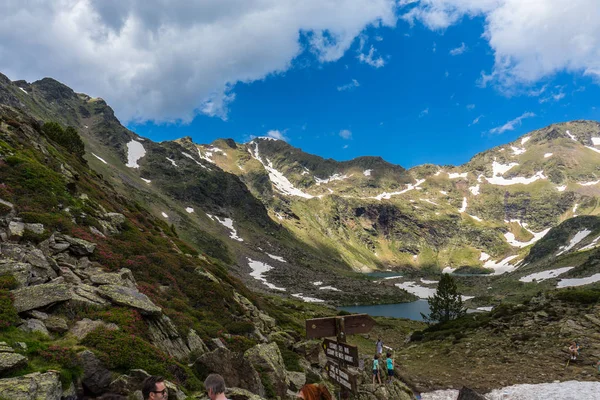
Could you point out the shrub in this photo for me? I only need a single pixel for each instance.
(581, 296)
(290, 358)
(8, 314)
(8, 282)
(240, 327)
(67, 138)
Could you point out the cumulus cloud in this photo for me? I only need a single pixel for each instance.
(349, 86)
(511, 125)
(346, 134)
(459, 50)
(371, 58)
(168, 61)
(531, 40)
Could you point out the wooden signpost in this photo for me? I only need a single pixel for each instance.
(338, 352)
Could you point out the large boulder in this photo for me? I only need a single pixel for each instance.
(262, 321)
(84, 327)
(267, 360)
(19, 270)
(16, 230)
(236, 369)
(163, 334)
(56, 324)
(396, 390)
(34, 325)
(32, 297)
(311, 350)
(76, 246)
(9, 360)
(96, 377)
(125, 296)
(196, 344)
(87, 295)
(36, 386)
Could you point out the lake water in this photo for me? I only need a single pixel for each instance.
(410, 310)
(385, 274)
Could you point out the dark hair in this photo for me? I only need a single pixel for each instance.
(215, 382)
(149, 385)
(388, 354)
(376, 356)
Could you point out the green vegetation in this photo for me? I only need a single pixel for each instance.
(67, 138)
(446, 304)
(581, 296)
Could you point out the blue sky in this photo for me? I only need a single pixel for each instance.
(418, 108)
(413, 81)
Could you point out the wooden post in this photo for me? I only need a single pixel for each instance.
(341, 338)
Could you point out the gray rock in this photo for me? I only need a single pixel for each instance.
(5, 348)
(34, 325)
(129, 297)
(469, 394)
(311, 350)
(77, 246)
(238, 371)
(15, 230)
(296, 379)
(218, 342)
(11, 361)
(196, 344)
(56, 324)
(22, 272)
(42, 316)
(35, 228)
(163, 334)
(174, 392)
(87, 295)
(267, 359)
(34, 386)
(96, 377)
(122, 278)
(32, 297)
(114, 218)
(69, 276)
(236, 393)
(96, 232)
(82, 328)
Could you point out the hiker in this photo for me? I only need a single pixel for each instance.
(376, 369)
(153, 388)
(390, 366)
(311, 391)
(215, 387)
(379, 345)
(574, 350)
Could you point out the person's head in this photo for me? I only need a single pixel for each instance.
(376, 356)
(379, 339)
(153, 388)
(388, 354)
(310, 391)
(215, 385)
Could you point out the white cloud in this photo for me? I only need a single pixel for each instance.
(470, 106)
(531, 40)
(346, 134)
(349, 86)
(168, 61)
(424, 112)
(371, 59)
(459, 50)
(510, 125)
(277, 134)
(476, 120)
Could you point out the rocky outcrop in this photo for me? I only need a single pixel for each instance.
(96, 377)
(238, 370)
(396, 390)
(267, 360)
(164, 335)
(36, 386)
(32, 297)
(82, 328)
(128, 297)
(263, 322)
(235, 393)
(10, 360)
(469, 394)
(311, 350)
(34, 325)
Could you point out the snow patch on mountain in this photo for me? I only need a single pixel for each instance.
(592, 183)
(146, 180)
(172, 161)
(189, 210)
(593, 149)
(419, 291)
(525, 140)
(281, 183)
(502, 266)
(475, 190)
(135, 151)
(258, 270)
(548, 155)
(228, 223)
(334, 177)
(308, 299)
(561, 188)
(194, 160)
(274, 257)
(563, 283)
(571, 136)
(542, 276)
(591, 245)
(517, 150)
(209, 152)
(456, 175)
(464, 206)
(99, 158)
(329, 288)
(579, 236)
(164, 214)
(484, 256)
(410, 187)
(510, 238)
(367, 172)
(430, 202)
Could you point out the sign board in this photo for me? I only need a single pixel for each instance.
(326, 327)
(341, 376)
(341, 352)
